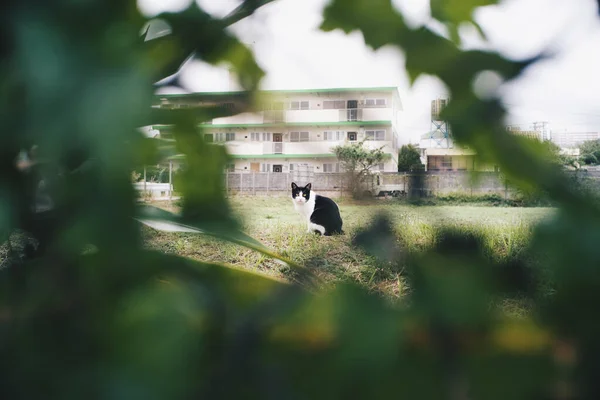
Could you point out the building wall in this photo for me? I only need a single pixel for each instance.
(308, 165)
(457, 163)
(243, 118)
(317, 112)
(259, 140)
(573, 139)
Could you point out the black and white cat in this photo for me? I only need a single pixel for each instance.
(321, 213)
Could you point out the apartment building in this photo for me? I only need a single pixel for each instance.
(288, 130)
(567, 140)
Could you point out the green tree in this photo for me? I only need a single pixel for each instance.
(590, 151)
(589, 159)
(409, 159)
(357, 162)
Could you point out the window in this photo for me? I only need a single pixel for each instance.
(260, 136)
(334, 104)
(375, 103)
(375, 135)
(208, 137)
(352, 136)
(291, 167)
(277, 168)
(298, 136)
(333, 135)
(379, 167)
(331, 168)
(265, 167)
(224, 137)
(230, 167)
(299, 105)
(446, 163)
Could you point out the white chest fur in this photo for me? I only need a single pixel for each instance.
(305, 210)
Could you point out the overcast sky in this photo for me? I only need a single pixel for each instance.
(288, 45)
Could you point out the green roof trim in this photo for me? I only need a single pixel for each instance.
(268, 156)
(276, 156)
(281, 91)
(284, 124)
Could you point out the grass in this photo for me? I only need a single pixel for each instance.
(504, 231)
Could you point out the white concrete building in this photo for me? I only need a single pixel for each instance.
(296, 129)
(573, 139)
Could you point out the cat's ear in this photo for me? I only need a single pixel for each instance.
(309, 186)
(294, 186)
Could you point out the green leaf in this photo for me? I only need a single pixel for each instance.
(247, 8)
(379, 22)
(455, 12)
(165, 221)
(195, 31)
(169, 52)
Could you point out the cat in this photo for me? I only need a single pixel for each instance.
(322, 214)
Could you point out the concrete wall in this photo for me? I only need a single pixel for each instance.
(424, 184)
(153, 190)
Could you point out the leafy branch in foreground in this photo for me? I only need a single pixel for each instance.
(97, 316)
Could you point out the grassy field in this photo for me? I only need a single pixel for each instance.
(273, 221)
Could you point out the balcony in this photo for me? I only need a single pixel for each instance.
(273, 116)
(257, 149)
(351, 114)
(273, 148)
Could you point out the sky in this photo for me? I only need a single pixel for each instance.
(295, 54)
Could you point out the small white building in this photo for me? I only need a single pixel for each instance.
(296, 129)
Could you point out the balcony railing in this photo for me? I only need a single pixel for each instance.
(272, 148)
(273, 116)
(351, 114)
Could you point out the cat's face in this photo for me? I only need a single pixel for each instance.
(301, 195)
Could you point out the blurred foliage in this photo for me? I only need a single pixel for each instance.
(590, 151)
(88, 313)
